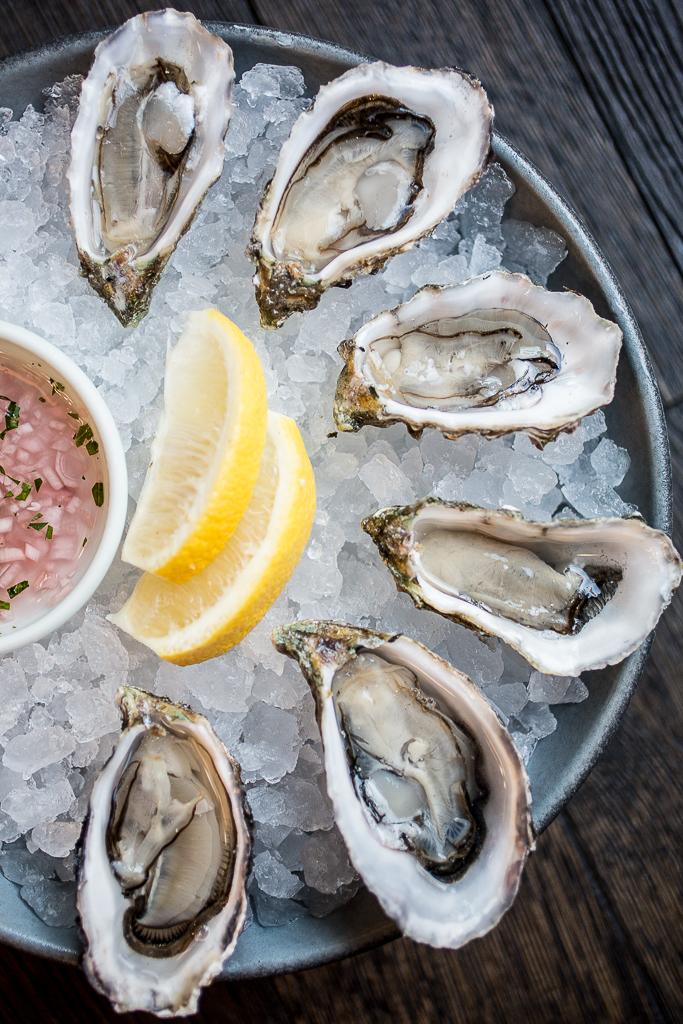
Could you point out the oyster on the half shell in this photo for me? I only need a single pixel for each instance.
(493, 355)
(568, 595)
(146, 145)
(428, 790)
(166, 848)
(381, 157)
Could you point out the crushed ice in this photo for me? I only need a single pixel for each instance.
(57, 718)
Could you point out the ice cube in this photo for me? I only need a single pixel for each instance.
(325, 862)
(14, 694)
(610, 462)
(483, 257)
(92, 713)
(23, 867)
(272, 912)
(532, 250)
(595, 498)
(274, 878)
(270, 742)
(296, 802)
(54, 902)
(386, 481)
(537, 719)
(564, 450)
(399, 271)
(262, 80)
(481, 208)
(37, 748)
(30, 806)
(556, 689)
(56, 838)
(509, 698)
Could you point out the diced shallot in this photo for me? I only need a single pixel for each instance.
(35, 444)
(52, 478)
(47, 507)
(11, 554)
(69, 467)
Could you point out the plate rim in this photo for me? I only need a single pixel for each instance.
(60, 944)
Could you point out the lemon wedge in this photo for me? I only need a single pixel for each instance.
(207, 452)
(206, 615)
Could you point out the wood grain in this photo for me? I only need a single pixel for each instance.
(585, 90)
(634, 86)
(27, 24)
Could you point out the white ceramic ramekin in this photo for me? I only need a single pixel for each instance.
(22, 346)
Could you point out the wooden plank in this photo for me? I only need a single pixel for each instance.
(546, 109)
(635, 84)
(27, 24)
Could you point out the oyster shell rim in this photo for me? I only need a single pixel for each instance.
(134, 705)
(357, 402)
(388, 527)
(321, 647)
(296, 290)
(133, 281)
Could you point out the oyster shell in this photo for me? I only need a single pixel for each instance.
(146, 145)
(428, 790)
(493, 355)
(162, 877)
(381, 157)
(568, 595)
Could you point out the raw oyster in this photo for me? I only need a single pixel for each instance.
(161, 889)
(381, 157)
(493, 355)
(428, 790)
(569, 595)
(145, 147)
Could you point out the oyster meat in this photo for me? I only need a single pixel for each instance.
(145, 147)
(162, 878)
(569, 595)
(428, 790)
(493, 355)
(380, 158)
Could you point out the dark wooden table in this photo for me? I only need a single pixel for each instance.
(591, 91)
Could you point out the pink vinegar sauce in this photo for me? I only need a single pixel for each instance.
(51, 480)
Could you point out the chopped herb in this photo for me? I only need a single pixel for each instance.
(37, 483)
(11, 417)
(74, 415)
(98, 493)
(12, 478)
(56, 385)
(5, 605)
(17, 589)
(49, 532)
(84, 433)
(24, 492)
(38, 526)
(92, 447)
(38, 515)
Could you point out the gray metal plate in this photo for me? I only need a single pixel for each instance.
(635, 419)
